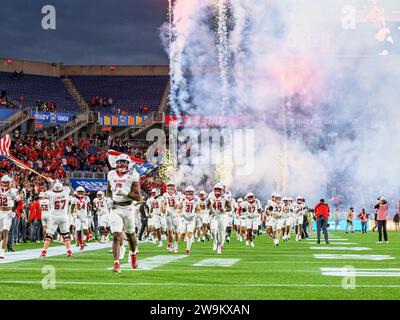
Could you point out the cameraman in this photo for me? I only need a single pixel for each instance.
(382, 217)
(322, 215)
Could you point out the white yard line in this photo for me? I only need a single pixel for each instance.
(153, 262)
(346, 272)
(217, 262)
(353, 257)
(342, 248)
(192, 284)
(51, 252)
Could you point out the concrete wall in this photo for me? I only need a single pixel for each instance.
(31, 67)
(117, 70)
(57, 70)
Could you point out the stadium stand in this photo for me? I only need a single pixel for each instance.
(129, 93)
(35, 88)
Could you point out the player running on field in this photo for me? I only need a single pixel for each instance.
(59, 197)
(123, 188)
(253, 209)
(101, 206)
(8, 197)
(189, 207)
(170, 207)
(81, 205)
(156, 207)
(44, 205)
(218, 206)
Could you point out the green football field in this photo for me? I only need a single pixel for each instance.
(353, 266)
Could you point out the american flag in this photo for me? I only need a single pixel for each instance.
(5, 146)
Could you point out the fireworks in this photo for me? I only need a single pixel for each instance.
(168, 167)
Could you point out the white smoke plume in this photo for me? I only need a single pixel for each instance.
(323, 102)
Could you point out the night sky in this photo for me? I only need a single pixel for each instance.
(105, 32)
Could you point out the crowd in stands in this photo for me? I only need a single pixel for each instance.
(46, 106)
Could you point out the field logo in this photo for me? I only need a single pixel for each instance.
(349, 280)
(49, 280)
(49, 20)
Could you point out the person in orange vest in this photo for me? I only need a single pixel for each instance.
(364, 217)
(349, 220)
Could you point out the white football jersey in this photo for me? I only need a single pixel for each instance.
(299, 209)
(155, 205)
(44, 206)
(171, 200)
(101, 205)
(218, 205)
(277, 211)
(252, 208)
(81, 205)
(8, 197)
(59, 201)
(121, 184)
(203, 205)
(189, 208)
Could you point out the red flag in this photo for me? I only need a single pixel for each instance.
(5, 146)
(112, 155)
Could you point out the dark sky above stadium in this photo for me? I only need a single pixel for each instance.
(109, 32)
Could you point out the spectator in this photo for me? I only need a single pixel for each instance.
(22, 222)
(33, 208)
(349, 220)
(364, 217)
(145, 109)
(15, 75)
(3, 93)
(21, 74)
(382, 216)
(322, 215)
(110, 101)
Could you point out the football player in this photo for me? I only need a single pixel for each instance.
(299, 210)
(189, 207)
(268, 216)
(101, 205)
(156, 207)
(218, 207)
(286, 219)
(229, 216)
(205, 217)
(170, 207)
(277, 221)
(59, 197)
(240, 233)
(8, 197)
(123, 188)
(81, 204)
(253, 209)
(44, 205)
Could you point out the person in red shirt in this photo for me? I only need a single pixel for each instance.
(34, 217)
(20, 211)
(322, 215)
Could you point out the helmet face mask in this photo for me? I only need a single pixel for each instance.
(6, 181)
(122, 166)
(100, 195)
(251, 198)
(189, 194)
(202, 195)
(58, 187)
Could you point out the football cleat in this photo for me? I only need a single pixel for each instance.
(219, 251)
(247, 242)
(81, 247)
(187, 252)
(176, 249)
(117, 267)
(43, 254)
(69, 253)
(228, 239)
(214, 246)
(252, 244)
(134, 262)
(160, 244)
